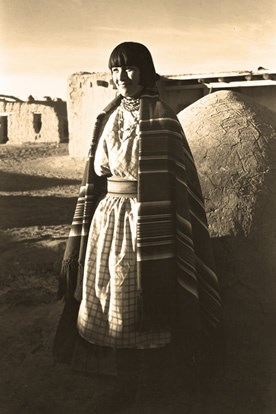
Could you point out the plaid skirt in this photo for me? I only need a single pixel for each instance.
(108, 309)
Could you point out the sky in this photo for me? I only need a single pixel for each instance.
(42, 42)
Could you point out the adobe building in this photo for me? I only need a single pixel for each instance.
(180, 91)
(33, 120)
(88, 93)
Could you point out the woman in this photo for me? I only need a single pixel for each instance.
(138, 259)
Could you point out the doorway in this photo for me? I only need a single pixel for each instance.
(3, 129)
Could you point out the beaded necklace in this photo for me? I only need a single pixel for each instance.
(131, 104)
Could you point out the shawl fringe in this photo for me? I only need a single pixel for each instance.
(71, 275)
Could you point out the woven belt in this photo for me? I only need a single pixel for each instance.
(119, 186)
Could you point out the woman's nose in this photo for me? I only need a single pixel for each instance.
(123, 74)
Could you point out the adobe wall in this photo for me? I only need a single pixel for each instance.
(264, 95)
(20, 125)
(88, 94)
(179, 98)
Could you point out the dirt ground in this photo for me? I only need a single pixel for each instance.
(38, 188)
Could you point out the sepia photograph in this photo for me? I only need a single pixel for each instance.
(137, 207)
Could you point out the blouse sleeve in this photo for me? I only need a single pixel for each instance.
(101, 163)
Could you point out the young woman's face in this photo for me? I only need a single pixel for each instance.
(127, 80)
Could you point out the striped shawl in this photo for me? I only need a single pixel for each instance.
(175, 270)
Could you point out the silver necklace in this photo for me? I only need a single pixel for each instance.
(127, 131)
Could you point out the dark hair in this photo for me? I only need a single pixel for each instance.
(135, 54)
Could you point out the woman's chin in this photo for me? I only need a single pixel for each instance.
(126, 93)
(130, 92)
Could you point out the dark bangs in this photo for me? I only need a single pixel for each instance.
(135, 54)
(122, 55)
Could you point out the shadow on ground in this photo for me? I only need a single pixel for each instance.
(248, 296)
(24, 211)
(10, 181)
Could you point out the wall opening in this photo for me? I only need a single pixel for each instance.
(37, 122)
(3, 129)
(103, 83)
(65, 130)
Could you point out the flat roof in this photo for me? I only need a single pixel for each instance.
(261, 73)
(240, 84)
